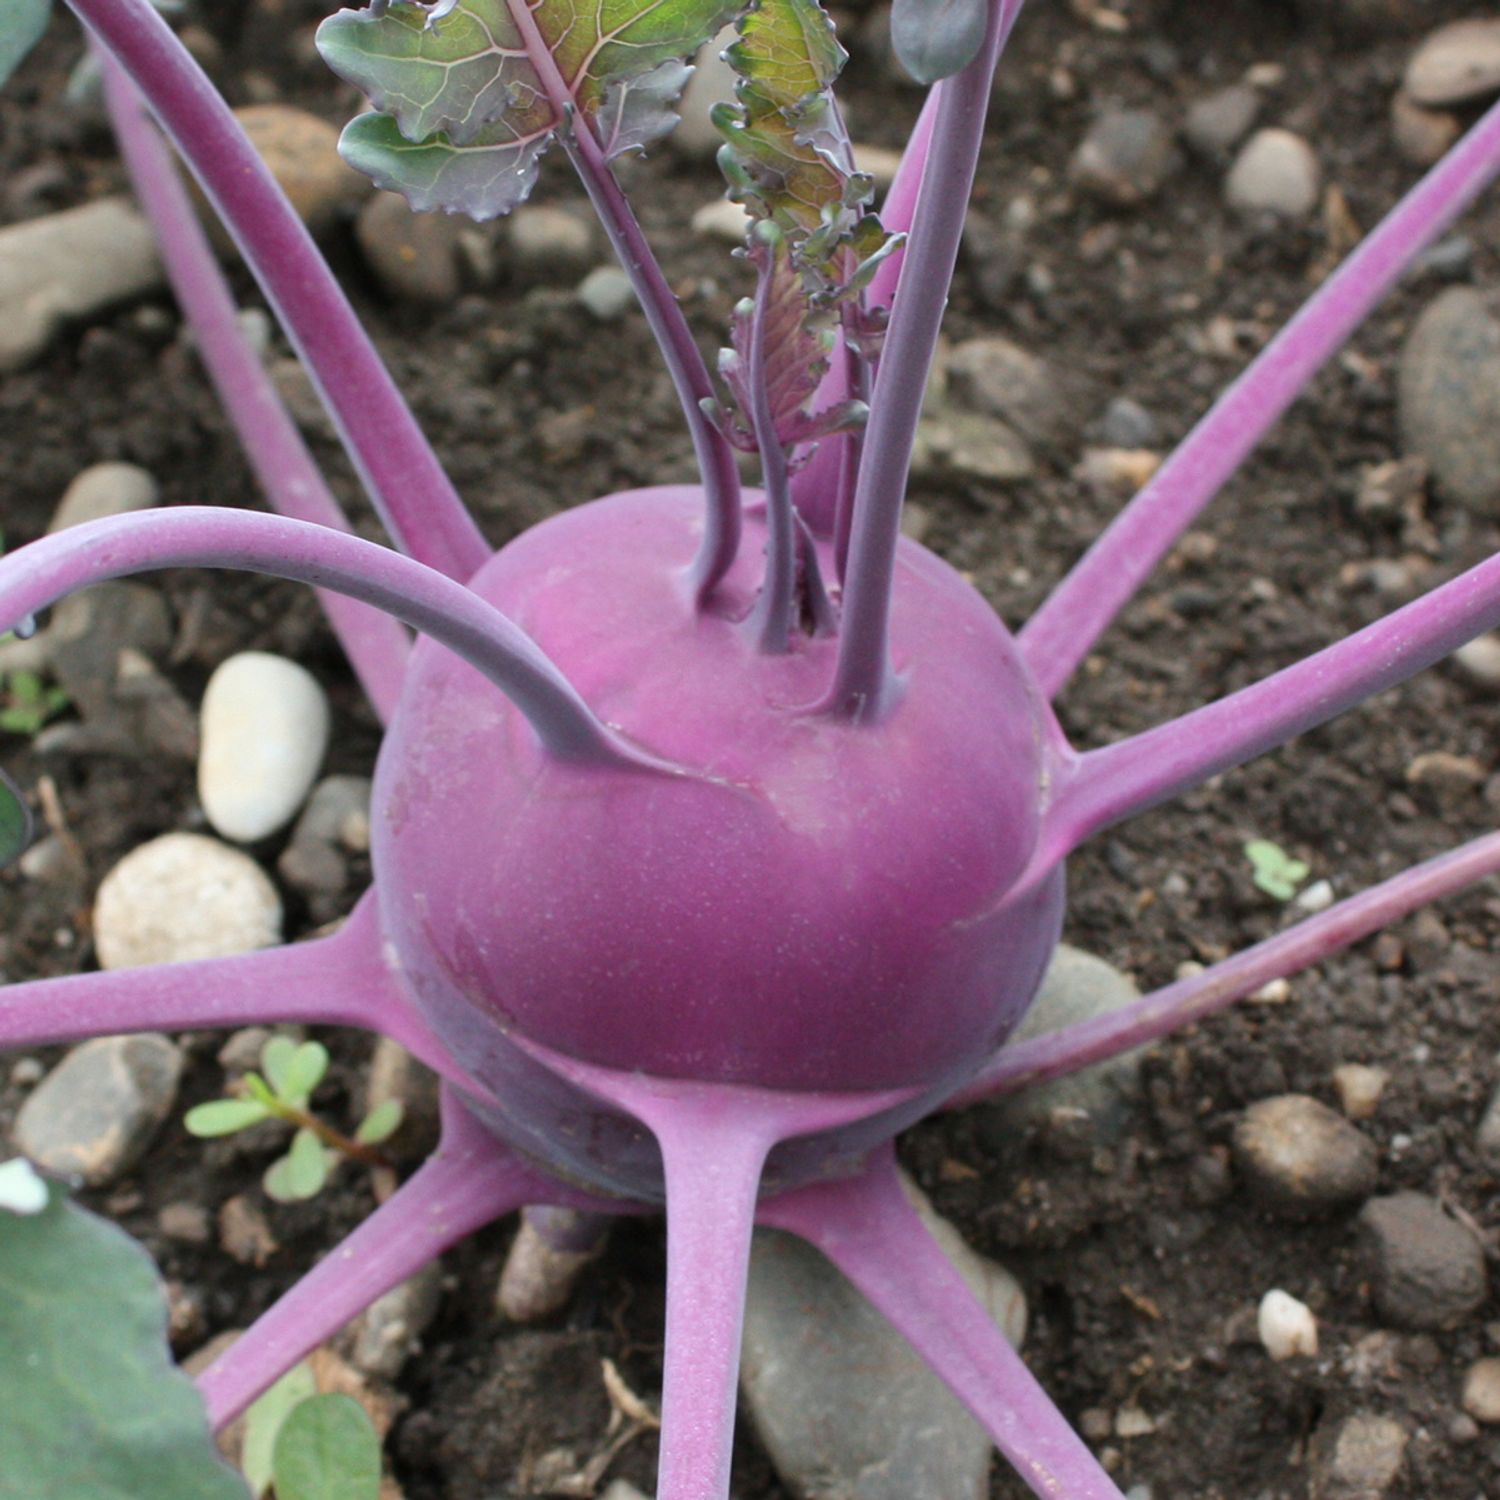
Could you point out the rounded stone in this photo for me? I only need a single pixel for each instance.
(1301, 1159)
(1482, 1391)
(415, 257)
(1126, 157)
(549, 244)
(1286, 1326)
(302, 153)
(264, 725)
(101, 490)
(1275, 173)
(183, 896)
(1357, 1459)
(1456, 64)
(1426, 1271)
(606, 294)
(1422, 135)
(1219, 121)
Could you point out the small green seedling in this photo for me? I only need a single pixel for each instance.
(1274, 871)
(27, 703)
(300, 1445)
(283, 1091)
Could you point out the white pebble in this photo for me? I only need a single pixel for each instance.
(1286, 1326)
(1480, 659)
(606, 293)
(1317, 897)
(264, 731)
(101, 490)
(1277, 173)
(183, 896)
(1359, 1089)
(1273, 992)
(721, 220)
(1482, 1391)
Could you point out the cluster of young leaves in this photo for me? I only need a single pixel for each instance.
(283, 1090)
(468, 94)
(1273, 870)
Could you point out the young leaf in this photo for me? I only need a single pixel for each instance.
(261, 1091)
(276, 1061)
(301, 1173)
(294, 1070)
(1274, 871)
(327, 1450)
(224, 1117)
(15, 822)
(933, 39)
(263, 1423)
(90, 1402)
(22, 23)
(477, 89)
(381, 1123)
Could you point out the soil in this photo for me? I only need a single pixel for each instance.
(1140, 1256)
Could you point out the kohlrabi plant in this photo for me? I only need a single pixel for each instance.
(717, 835)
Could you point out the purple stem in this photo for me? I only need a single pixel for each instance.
(863, 681)
(471, 1180)
(334, 981)
(1047, 1057)
(771, 619)
(416, 501)
(377, 647)
(1103, 786)
(868, 1228)
(1065, 628)
(205, 536)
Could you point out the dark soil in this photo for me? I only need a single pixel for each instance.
(1141, 1258)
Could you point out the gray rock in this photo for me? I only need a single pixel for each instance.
(1422, 135)
(1448, 397)
(1456, 64)
(1077, 987)
(396, 1074)
(1001, 379)
(721, 220)
(302, 152)
(1302, 1159)
(1487, 1141)
(843, 1404)
(1276, 172)
(712, 83)
(1426, 1271)
(94, 1115)
(1126, 157)
(183, 896)
(1358, 1458)
(390, 1330)
(101, 490)
(1482, 1391)
(414, 257)
(90, 632)
(66, 267)
(970, 445)
(335, 822)
(1219, 121)
(549, 245)
(1127, 424)
(606, 294)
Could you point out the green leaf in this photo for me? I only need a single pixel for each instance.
(22, 23)
(224, 1117)
(294, 1070)
(933, 39)
(92, 1404)
(787, 54)
(1273, 870)
(301, 1173)
(15, 822)
(477, 89)
(263, 1422)
(261, 1092)
(381, 1123)
(327, 1450)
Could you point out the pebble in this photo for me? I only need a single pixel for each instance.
(187, 1223)
(1218, 122)
(1275, 172)
(89, 632)
(1359, 1088)
(1126, 158)
(94, 1114)
(242, 1049)
(877, 162)
(302, 152)
(712, 84)
(1001, 379)
(1301, 1159)
(1358, 1458)
(1127, 424)
(67, 266)
(101, 490)
(1426, 1270)
(622, 1489)
(183, 896)
(390, 1330)
(606, 294)
(1317, 897)
(549, 245)
(1449, 777)
(721, 220)
(415, 257)
(1422, 135)
(1448, 397)
(970, 445)
(1077, 987)
(245, 1232)
(1286, 1326)
(334, 824)
(1479, 660)
(1116, 473)
(1456, 64)
(265, 723)
(1487, 1141)
(552, 1249)
(1482, 1391)
(396, 1075)
(843, 1404)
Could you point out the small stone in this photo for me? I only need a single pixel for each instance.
(265, 723)
(1448, 397)
(1301, 1159)
(183, 896)
(1116, 473)
(242, 1049)
(1357, 1459)
(187, 1320)
(396, 1075)
(1272, 992)
(1426, 1271)
(877, 162)
(89, 632)
(713, 83)
(390, 1330)
(413, 256)
(1482, 1391)
(27, 1072)
(1394, 488)
(721, 220)
(1479, 660)
(1423, 136)
(1276, 172)
(296, 389)
(187, 1223)
(1450, 778)
(245, 1233)
(1316, 897)
(551, 246)
(65, 267)
(302, 152)
(1000, 379)
(552, 1249)
(1127, 424)
(1217, 123)
(622, 1489)
(1359, 1089)
(1126, 158)
(1487, 1142)
(1286, 1326)
(1456, 64)
(334, 824)
(970, 445)
(94, 1115)
(101, 490)
(606, 294)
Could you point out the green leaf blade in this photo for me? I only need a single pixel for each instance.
(301, 1173)
(934, 39)
(263, 1423)
(22, 23)
(224, 1117)
(327, 1450)
(15, 822)
(381, 1123)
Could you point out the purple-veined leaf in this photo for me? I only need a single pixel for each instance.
(637, 111)
(22, 23)
(933, 39)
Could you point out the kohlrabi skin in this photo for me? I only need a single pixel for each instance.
(716, 836)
